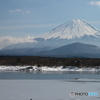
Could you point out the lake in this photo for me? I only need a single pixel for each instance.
(49, 75)
(49, 85)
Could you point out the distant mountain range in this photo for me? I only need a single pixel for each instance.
(73, 38)
(73, 50)
(70, 50)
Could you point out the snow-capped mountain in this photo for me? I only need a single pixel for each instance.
(69, 39)
(71, 30)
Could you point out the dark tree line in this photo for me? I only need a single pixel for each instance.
(48, 61)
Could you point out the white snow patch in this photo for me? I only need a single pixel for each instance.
(45, 68)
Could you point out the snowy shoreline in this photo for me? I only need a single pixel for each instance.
(45, 68)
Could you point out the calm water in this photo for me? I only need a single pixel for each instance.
(49, 75)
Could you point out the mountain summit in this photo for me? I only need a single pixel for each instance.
(71, 30)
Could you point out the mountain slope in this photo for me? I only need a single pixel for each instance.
(74, 49)
(72, 29)
(23, 51)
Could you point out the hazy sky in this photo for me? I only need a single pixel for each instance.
(19, 18)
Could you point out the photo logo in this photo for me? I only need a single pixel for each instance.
(72, 94)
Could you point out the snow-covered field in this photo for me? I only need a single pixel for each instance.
(48, 89)
(45, 68)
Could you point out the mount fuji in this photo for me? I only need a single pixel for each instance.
(73, 31)
(69, 32)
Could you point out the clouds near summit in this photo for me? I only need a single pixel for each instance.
(8, 40)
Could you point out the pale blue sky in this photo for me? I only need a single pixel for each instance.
(19, 18)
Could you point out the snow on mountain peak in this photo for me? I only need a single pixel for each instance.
(72, 29)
